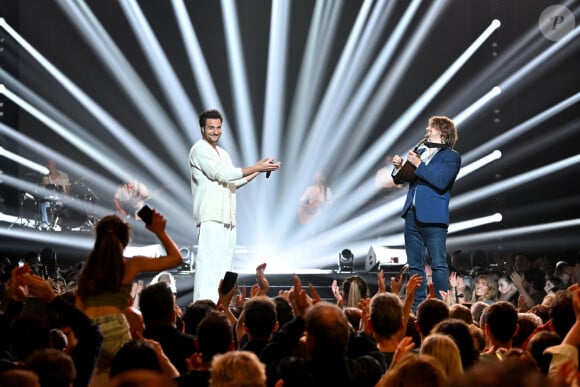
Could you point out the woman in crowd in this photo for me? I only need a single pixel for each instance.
(107, 277)
(460, 292)
(507, 290)
(485, 289)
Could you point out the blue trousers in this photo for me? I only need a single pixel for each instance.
(419, 236)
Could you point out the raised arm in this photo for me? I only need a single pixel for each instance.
(172, 259)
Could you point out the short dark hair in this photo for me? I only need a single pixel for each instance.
(156, 303)
(502, 319)
(328, 325)
(135, 354)
(211, 113)
(53, 367)
(195, 312)
(214, 334)
(260, 317)
(430, 312)
(386, 314)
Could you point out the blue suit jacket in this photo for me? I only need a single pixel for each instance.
(432, 186)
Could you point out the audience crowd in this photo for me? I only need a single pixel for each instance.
(513, 321)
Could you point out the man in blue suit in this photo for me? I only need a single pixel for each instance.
(426, 210)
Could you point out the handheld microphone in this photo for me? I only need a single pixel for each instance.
(269, 172)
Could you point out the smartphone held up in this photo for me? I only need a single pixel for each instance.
(146, 214)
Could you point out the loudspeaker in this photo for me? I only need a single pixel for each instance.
(381, 256)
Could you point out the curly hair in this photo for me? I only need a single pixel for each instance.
(447, 128)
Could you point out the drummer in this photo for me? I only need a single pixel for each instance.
(56, 181)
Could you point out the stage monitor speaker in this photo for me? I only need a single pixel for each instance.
(383, 256)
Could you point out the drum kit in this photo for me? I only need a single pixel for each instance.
(65, 212)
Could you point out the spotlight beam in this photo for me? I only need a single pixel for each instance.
(168, 81)
(377, 150)
(274, 102)
(24, 161)
(364, 163)
(532, 175)
(241, 94)
(198, 64)
(522, 128)
(515, 232)
(314, 61)
(122, 135)
(120, 69)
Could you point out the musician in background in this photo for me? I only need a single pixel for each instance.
(314, 198)
(58, 182)
(383, 179)
(130, 197)
(426, 209)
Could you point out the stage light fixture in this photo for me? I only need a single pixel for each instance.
(345, 261)
(187, 256)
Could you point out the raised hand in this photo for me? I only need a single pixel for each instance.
(262, 281)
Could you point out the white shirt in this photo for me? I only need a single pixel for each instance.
(214, 181)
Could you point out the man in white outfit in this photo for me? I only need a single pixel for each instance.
(214, 182)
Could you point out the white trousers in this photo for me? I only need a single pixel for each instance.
(216, 244)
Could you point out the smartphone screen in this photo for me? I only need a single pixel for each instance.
(146, 214)
(229, 281)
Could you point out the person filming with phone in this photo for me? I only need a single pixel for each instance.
(105, 282)
(214, 182)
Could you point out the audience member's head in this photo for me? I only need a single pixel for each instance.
(510, 372)
(553, 284)
(157, 305)
(565, 272)
(260, 319)
(461, 312)
(542, 311)
(28, 332)
(445, 351)
(214, 335)
(501, 321)
(478, 338)
(327, 331)
(104, 269)
(485, 289)
(141, 378)
(535, 280)
(477, 310)
(386, 315)
(414, 371)
(354, 288)
(283, 310)
(54, 367)
(527, 322)
(430, 312)
(19, 378)
(237, 369)
(463, 336)
(135, 354)
(195, 312)
(538, 343)
(562, 313)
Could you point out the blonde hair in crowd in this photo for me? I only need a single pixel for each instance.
(445, 351)
(237, 368)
